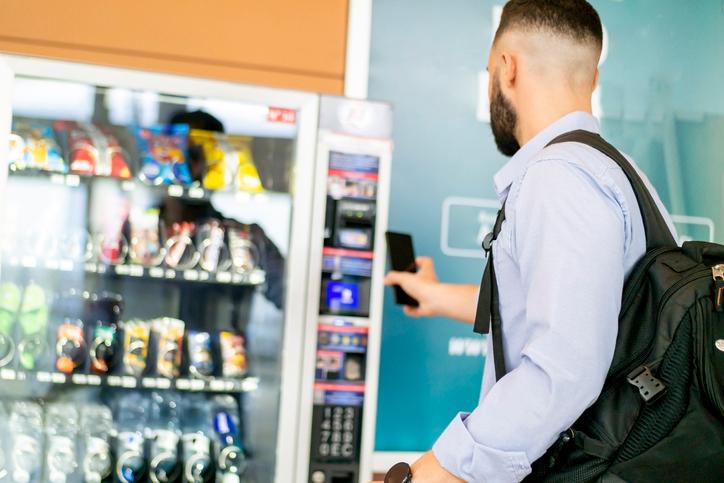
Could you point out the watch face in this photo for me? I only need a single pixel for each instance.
(400, 473)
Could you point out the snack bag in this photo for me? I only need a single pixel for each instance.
(170, 333)
(103, 348)
(163, 154)
(216, 173)
(33, 146)
(201, 360)
(233, 354)
(136, 335)
(93, 150)
(145, 247)
(238, 154)
(70, 348)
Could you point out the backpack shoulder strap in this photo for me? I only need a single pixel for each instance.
(657, 231)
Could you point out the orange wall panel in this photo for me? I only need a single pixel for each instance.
(283, 43)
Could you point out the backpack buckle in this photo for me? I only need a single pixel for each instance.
(650, 388)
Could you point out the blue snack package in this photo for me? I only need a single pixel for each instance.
(162, 150)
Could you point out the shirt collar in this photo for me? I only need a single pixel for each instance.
(517, 164)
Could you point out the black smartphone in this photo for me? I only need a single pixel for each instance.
(402, 259)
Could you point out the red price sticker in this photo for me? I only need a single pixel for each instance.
(278, 114)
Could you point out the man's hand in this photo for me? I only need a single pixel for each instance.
(436, 299)
(428, 470)
(422, 286)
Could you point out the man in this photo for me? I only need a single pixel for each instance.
(571, 234)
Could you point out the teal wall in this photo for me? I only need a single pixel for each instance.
(662, 99)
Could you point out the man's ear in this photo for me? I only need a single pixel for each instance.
(595, 80)
(508, 69)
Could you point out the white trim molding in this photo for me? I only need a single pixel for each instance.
(357, 60)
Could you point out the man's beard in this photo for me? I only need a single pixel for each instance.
(503, 119)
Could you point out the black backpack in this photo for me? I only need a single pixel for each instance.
(660, 414)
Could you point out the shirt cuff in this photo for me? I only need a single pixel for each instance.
(458, 453)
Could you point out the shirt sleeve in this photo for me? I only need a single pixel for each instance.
(568, 240)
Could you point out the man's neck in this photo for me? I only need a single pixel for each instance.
(538, 119)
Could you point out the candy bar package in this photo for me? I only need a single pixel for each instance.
(233, 354)
(201, 360)
(214, 254)
(162, 150)
(136, 336)
(145, 246)
(217, 174)
(93, 150)
(237, 150)
(33, 146)
(170, 335)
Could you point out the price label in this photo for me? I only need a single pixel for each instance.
(196, 192)
(175, 190)
(29, 262)
(155, 272)
(7, 374)
(72, 180)
(128, 186)
(43, 376)
(170, 273)
(149, 382)
(163, 383)
(128, 382)
(52, 264)
(204, 275)
(257, 277)
(183, 384)
(79, 379)
(223, 277)
(191, 275)
(102, 269)
(122, 269)
(58, 378)
(135, 270)
(197, 385)
(114, 381)
(94, 380)
(217, 385)
(237, 278)
(57, 179)
(91, 267)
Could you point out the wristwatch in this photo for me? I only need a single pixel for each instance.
(399, 473)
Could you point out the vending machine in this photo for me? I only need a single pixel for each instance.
(190, 278)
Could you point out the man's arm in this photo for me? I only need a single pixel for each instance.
(569, 244)
(454, 301)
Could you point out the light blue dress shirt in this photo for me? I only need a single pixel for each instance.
(572, 233)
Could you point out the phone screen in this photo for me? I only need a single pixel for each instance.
(402, 259)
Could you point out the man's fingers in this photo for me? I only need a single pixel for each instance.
(396, 278)
(424, 263)
(411, 311)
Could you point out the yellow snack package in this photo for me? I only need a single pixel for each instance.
(215, 176)
(246, 178)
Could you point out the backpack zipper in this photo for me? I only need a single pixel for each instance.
(717, 272)
(641, 356)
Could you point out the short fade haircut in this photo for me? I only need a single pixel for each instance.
(576, 19)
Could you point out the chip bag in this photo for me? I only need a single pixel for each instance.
(233, 354)
(162, 150)
(238, 153)
(33, 146)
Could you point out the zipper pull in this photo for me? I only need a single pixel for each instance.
(718, 274)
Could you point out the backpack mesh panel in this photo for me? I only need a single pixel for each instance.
(657, 420)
